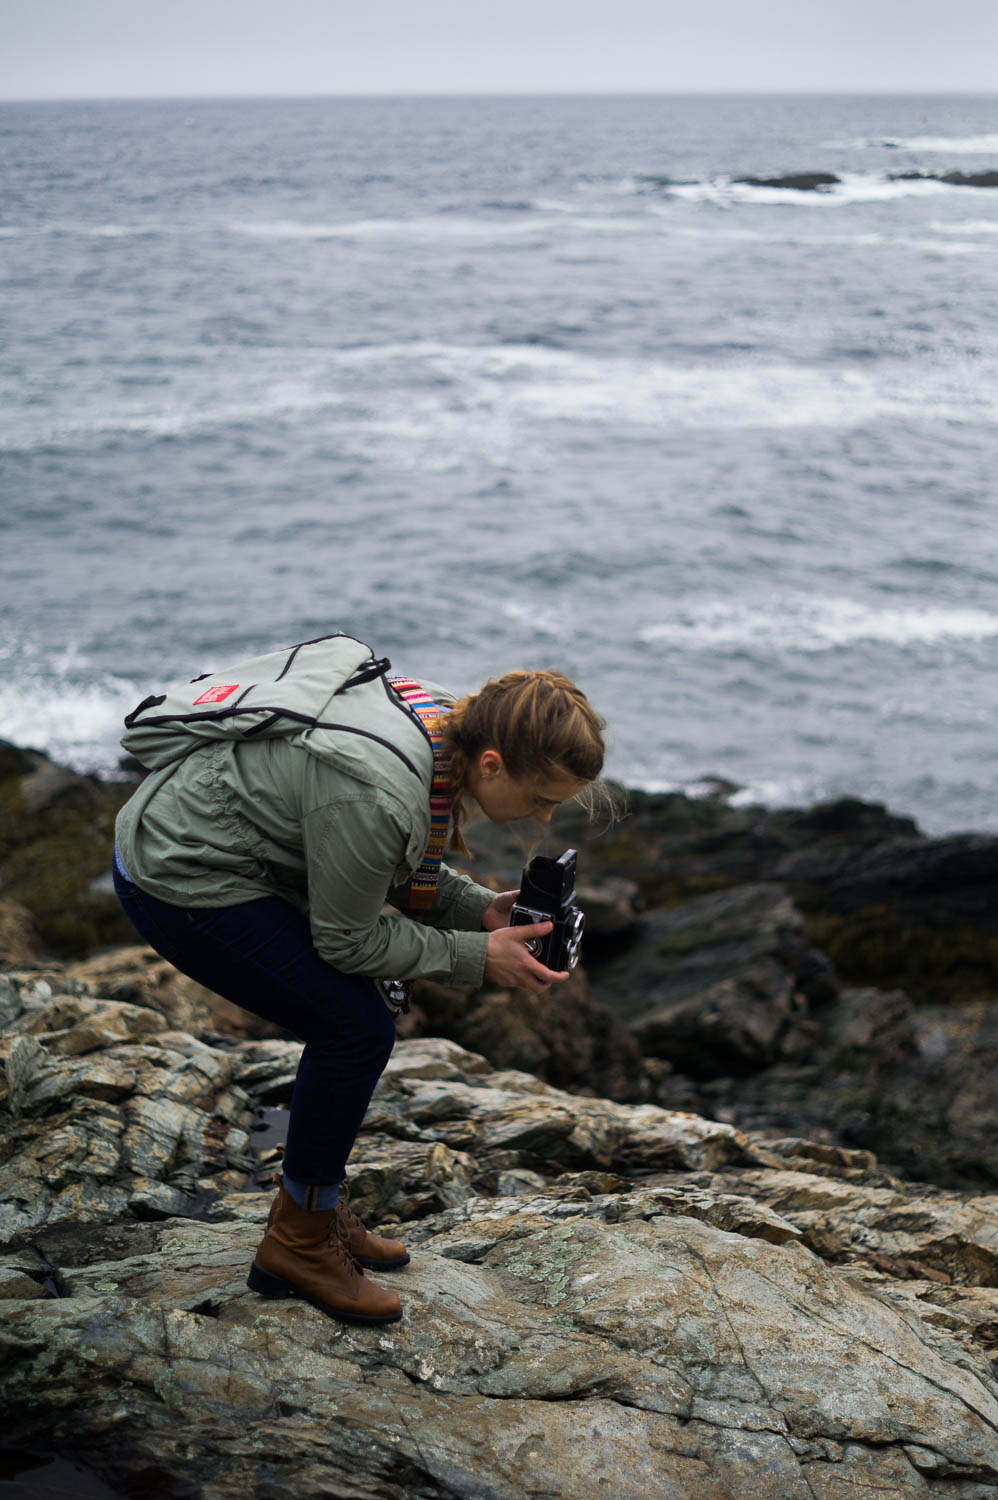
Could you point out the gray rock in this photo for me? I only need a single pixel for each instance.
(51, 785)
(611, 906)
(758, 1318)
(720, 985)
(654, 1355)
(806, 182)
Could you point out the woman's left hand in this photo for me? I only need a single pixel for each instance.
(496, 914)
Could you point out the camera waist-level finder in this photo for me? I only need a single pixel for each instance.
(547, 894)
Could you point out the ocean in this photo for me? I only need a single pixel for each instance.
(495, 382)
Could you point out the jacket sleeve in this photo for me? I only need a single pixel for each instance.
(460, 901)
(353, 849)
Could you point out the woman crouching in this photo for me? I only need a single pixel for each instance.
(288, 800)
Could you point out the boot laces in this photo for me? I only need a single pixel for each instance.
(346, 1213)
(338, 1239)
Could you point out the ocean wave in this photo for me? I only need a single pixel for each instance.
(791, 791)
(437, 404)
(964, 226)
(857, 187)
(536, 619)
(861, 239)
(85, 231)
(503, 223)
(536, 218)
(960, 145)
(51, 706)
(430, 227)
(109, 231)
(176, 420)
(802, 624)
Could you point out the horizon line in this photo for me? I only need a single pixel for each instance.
(566, 93)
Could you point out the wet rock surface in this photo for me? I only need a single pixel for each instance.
(56, 837)
(665, 1233)
(603, 1298)
(802, 182)
(828, 970)
(987, 179)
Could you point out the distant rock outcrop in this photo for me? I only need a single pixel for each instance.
(955, 179)
(803, 182)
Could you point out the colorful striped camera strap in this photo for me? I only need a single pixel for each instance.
(423, 886)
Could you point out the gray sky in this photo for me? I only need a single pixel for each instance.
(134, 48)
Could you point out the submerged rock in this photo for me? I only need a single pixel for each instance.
(955, 179)
(803, 182)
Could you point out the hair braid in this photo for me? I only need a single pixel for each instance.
(539, 722)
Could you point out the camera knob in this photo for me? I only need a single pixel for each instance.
(534, 946)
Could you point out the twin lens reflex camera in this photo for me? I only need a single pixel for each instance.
(547, 894)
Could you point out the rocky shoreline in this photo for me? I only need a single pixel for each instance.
(719, 1218)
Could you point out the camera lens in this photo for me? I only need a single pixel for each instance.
(573, 940)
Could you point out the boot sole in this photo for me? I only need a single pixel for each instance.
(382, 1265)
(275, 1288)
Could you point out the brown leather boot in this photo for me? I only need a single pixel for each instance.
(370, 1250)
(367, 1249)
(305, 1254)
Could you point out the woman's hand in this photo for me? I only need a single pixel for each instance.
(509, 964)
(496, 914)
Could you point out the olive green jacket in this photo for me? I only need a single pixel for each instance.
(296, 775)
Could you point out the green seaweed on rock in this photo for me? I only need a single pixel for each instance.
(50, 859)
(933, 965)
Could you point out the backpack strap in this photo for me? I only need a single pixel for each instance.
(423, 886)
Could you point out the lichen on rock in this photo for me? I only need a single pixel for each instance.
(603, 1298)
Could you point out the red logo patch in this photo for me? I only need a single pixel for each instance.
(217, 693)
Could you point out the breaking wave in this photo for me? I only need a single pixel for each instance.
(55, 705)
(959, 144)
(455, 400)
(857, 187)
(810, 625)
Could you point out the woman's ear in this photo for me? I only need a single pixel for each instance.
(489, 764)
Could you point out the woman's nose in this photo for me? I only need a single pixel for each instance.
(545, 814)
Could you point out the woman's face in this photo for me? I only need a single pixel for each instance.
(504, 798)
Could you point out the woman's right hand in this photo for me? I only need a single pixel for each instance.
(509, 964)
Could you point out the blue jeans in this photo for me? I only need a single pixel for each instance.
(260, 955)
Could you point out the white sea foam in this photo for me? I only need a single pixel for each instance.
(431, 227)
(534, 617)
(873, 239)
(854, 187)
(439, 405)
(551, 384)
(110, 231)
(959, 145)
(199, 410)
(800, 623)
(793, 791)
(87, 231)
(964, 226)
(49, 706)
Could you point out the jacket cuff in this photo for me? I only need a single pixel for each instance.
(470, 950)
(471, 906)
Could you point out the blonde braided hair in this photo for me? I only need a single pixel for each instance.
(539, 722)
